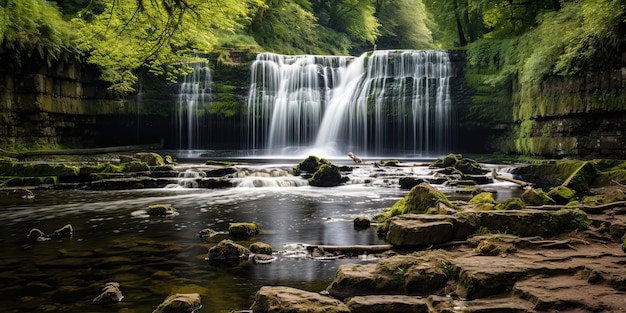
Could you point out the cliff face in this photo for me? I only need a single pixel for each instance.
(63, 105)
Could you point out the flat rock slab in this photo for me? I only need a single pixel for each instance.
(387, 303)
(291, 300)
(570, 292)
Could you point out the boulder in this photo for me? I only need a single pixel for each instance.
(328, 175)
(420, 232)
(387, 303)
(309, 165)
(361, 222)
(261, 248)
(227, 250)
(561, 194)
(207, 233)
(291, 300)
(243, 230)
(150, 158)
(180, 303)
(409, 182)
(160, 210)
(536, 197)
(421, 198)
(483, 197)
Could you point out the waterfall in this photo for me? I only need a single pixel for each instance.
(194, 99)
(384, 102)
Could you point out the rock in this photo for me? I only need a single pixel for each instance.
(168, 160)
(110, 294)
(421, 198)
(582, 178)
(227, 250)
(534, 222)
(483, 197)
(207, 233)
(420, 232)
(409, 182)
(212, 183)
(310, 165)
(290, 300)
(126, 158)
(536, 197)
(360, 222)
(328, 175)
(150, 158)
(243, 230)
(261, 248)
(511, 204)
(469, 167)
(561, 194)
(221, 172)
(129, 183)
(416, 273)
(180, 303)
(161, 210)
(264, 258)
(387, 303)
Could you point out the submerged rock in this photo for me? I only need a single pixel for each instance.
(328, 175)
(261, 248)
(180, 303)
(36, 234)
(271, 299)
(161, 210)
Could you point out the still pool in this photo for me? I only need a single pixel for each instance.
(153, 257)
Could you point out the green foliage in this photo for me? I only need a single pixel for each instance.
(403, 25)
(161, 37)
(30, 27)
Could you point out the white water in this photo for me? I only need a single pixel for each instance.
(386, 102)
(194, 99)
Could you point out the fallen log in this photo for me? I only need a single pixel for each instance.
(352, 249)
(511, 180)
(355, 158)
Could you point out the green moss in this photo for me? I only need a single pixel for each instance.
(160, 210)
(25, 169)
(12, 181)
(536, 197)
(421, 198)
(227, 250)
(243, 230)
(327, 175)
(391, 163)
(561, 194)
(219, 163)
(483, 197)
(135, 166)
(511, 204)
(310, 165)
(261, 248)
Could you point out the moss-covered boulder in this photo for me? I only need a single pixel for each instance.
(261, 248)
(409, 182)
(227, 250)
(361, 222)
(37, 169)
(582, 178)
(180, 303)
(536, 197)
(328, 175)
(469, 167)
(533, 222)
(150, 158)
(161, 210)
(207, 233)
(310, 165)
(421, 198)
(511, 204)
(243, 230)
(561, 194)
(135, 166)
(483, 197)
(278, 299)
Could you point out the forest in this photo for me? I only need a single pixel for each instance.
(516, 40)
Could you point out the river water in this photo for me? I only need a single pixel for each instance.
(153, 257)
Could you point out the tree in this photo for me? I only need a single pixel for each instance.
(161, 36)
(403, 25)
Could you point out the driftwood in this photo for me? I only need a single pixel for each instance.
(355, 158)
(511, 180)
(352, 249)
(81, 151)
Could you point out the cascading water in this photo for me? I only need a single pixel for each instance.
(194, 100)
(379, 103)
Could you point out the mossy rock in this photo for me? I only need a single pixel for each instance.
(609, 177)
(469, 167)
(135, 166)
(582, 178)
(179, 303)
(310, 165)
(150, 158)
(261, 248)
(38, 169)
(227, 250)
(160, 210)
(27, 181)
(483, 197)
(536, 197)
(511, 204)
(421, 198)
(548, 174)
(243, 230)
(328, 175)
(612, 196)
(561, 194)
(361, 222)
(219, 163)
(207, 233)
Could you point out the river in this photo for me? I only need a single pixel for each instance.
(153, 257)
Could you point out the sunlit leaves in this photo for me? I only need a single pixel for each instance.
(161, 36)
(403, 25)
